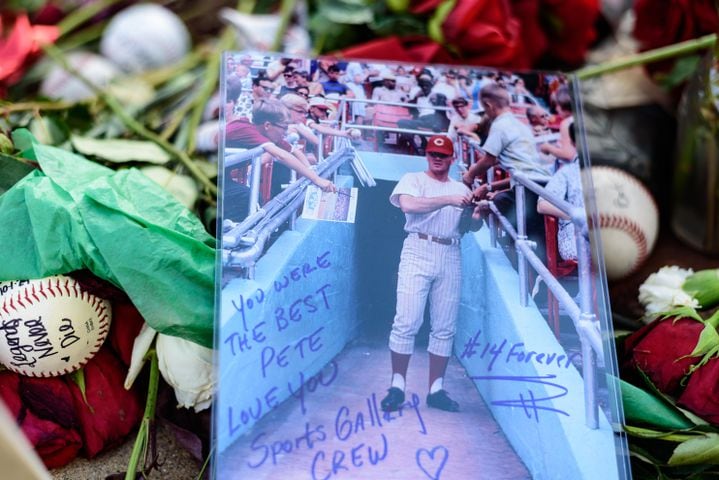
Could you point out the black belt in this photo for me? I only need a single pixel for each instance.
(440, 240)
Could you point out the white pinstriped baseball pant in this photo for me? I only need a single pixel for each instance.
(426, 270)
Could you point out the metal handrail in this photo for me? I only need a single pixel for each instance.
(583, 318)
(253, 233)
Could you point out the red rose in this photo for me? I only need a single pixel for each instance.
(561, 30)
(663, 22)
(701, 394)
(55, 444)
(110, 412)
(21, 46)
(486, 32)
(657, 349)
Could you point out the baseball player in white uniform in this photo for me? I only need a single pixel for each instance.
(434, 205)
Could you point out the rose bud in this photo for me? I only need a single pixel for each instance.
(661, 350)
(701, 395)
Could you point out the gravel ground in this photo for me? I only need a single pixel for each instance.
(176, 462)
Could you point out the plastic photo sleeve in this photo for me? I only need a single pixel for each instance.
(408, 286)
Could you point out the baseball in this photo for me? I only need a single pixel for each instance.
(355, 133)
(628, 220)
(62, 85)
(50, 327)
(144, 37)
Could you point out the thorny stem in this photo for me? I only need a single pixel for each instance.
(148, 418)
(133, 124)
(658, 54)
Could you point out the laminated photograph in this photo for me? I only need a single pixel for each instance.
(409, 285)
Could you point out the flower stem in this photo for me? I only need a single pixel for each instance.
(133, 124)
(663, 53)
(148, 417)
(82, 15)
(286, 10)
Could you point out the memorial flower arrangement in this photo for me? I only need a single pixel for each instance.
(670, 376)
(152, 119)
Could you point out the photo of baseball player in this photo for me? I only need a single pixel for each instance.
(429, 268)
(323, 324)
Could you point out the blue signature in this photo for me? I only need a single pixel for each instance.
(530, 403)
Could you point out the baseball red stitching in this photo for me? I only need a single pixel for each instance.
(626, 225)
(103, 326)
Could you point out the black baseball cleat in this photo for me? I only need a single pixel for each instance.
(441, 401)
(394, 398)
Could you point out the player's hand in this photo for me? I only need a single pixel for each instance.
(480, 193)
(326, 185)
(544, 148)
(460, 201)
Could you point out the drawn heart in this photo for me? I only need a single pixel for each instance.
(430, 464)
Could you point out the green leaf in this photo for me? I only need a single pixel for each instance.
(680, 312)
(683, 68)
(698, 450)
(78, 377)
(434, 26)
(704, 286)
(23, 139)
(658, 435)
(13, 169)
(120, 151)
(347, 11)
(398, 25)
(642, 407)
(708, 343)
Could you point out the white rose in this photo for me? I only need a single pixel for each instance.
(185, 365)
(662, 290)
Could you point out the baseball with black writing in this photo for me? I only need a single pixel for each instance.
(51, 326)
(628, 220)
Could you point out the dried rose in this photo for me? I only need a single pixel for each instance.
(107, 412)
(56, 445)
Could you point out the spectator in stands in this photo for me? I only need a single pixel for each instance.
(290, 82)
(538, 119)
(298, 106)
(303, 80)
(462, 122)
(319, 111)
(567, 185)
(356, 75)
(262, 87)
(388, 92)
(564, 149)
(435, 120)
(303, 92)
(333, 85)
(270, 120)
(511, 145)
(447, 85)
